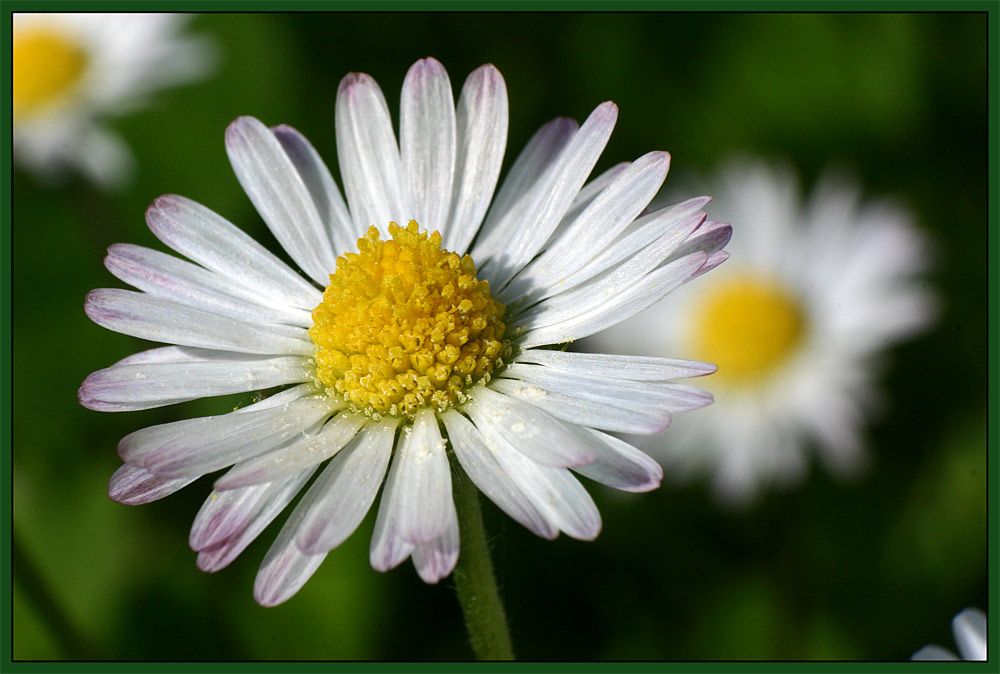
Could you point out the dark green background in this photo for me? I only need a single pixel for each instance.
(872, 569)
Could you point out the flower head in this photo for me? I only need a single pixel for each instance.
(71, 71)
(795, 323)
(430, 337)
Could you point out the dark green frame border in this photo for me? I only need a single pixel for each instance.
(990, 7)
(703, 6)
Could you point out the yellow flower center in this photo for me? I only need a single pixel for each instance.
(404, 324)
(748, 327)
(47, 66)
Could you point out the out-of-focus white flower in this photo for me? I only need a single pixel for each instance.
(796, 323)
(412, 346)
(72, 71)
(969, 629)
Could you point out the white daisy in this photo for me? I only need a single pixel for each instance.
(71, 71)
(410, 343)
(795, 323)
(969, 629)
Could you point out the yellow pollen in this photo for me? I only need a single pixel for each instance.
(748, 327)
(47, 66)
(404, 324)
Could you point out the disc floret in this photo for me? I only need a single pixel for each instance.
(749, 327)
(48, 65)
(405, 323)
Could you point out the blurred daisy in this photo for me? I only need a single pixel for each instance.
(411, 342)
(72, 71)
(795, 324)
(969, 629)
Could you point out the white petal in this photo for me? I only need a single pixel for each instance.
(648, 290)
(245, 524)
(347, 489)
(303, 452)
(166, 276)
(637, 368)
(282, 397)
(171, 354)
(588, 193)
(554, 491)
(427, 143)
(514, 194)
(104, 156)
(618, 392)
(134, 485)
(184, 355)
(558, 188)
(193, 447)
(369, 158)
(217, 244)
(435, 560)
(602, 288)
(587, 413)
(527, 427)
(711, 237)
(513, 291)
(713, 261)
(326, 197)
(142, 386)
(482, 139)
(147, 317)
(934, 653)
(285, 568)
(477, 460)
(620, 465)
(969, 628)
(422, 498)
(670, 224)
(603, 219)
(281, 197)
(225, 513)
(387, 549)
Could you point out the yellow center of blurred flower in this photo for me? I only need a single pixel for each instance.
(404, 324)
(748, 327)
(47, 66)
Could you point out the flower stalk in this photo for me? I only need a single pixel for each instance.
(475, 582)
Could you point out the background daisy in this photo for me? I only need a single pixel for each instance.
(74, 71)
(797, 325)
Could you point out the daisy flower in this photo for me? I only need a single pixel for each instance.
(795, 323)
(969, 630)
(71, 71)
(429, 338)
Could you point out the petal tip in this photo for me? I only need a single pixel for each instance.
(284, 129)
(156, 210)
(207, 563)
(486, 77)
(266, 596)
(93, 303)
(426, 65)
(662, 159)
(350, 83)
(86, 397)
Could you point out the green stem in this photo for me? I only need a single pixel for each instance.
(474, 580)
